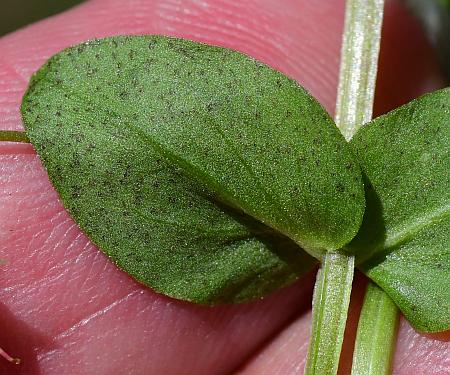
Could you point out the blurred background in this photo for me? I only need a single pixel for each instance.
(17, 13)
(434, 15)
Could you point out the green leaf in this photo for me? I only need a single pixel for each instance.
(190, 165)
(405, 233)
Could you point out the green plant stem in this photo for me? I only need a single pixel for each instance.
(13, 136)
(357, 77)
(330, 305)
(359, 61)
(375, 343)
(376, 335)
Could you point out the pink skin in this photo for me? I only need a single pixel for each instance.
(65, 309)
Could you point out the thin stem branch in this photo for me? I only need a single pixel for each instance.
(9, 358)
(330, 306)
(13, 136)
(376, 335)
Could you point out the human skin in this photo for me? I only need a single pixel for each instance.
(66, 309)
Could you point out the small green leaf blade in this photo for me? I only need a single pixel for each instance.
(242, 149)
(405, 233)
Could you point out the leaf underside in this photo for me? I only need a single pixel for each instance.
(405, 160)
(197, 169)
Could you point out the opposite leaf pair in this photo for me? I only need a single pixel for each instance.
(204, 173)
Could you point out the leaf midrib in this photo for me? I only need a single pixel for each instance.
(395, 240)
(205, 230)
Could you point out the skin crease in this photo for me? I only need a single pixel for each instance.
(66, 309)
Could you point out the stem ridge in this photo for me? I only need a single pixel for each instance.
(359, 61)
(376, 335)
(330, 306)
